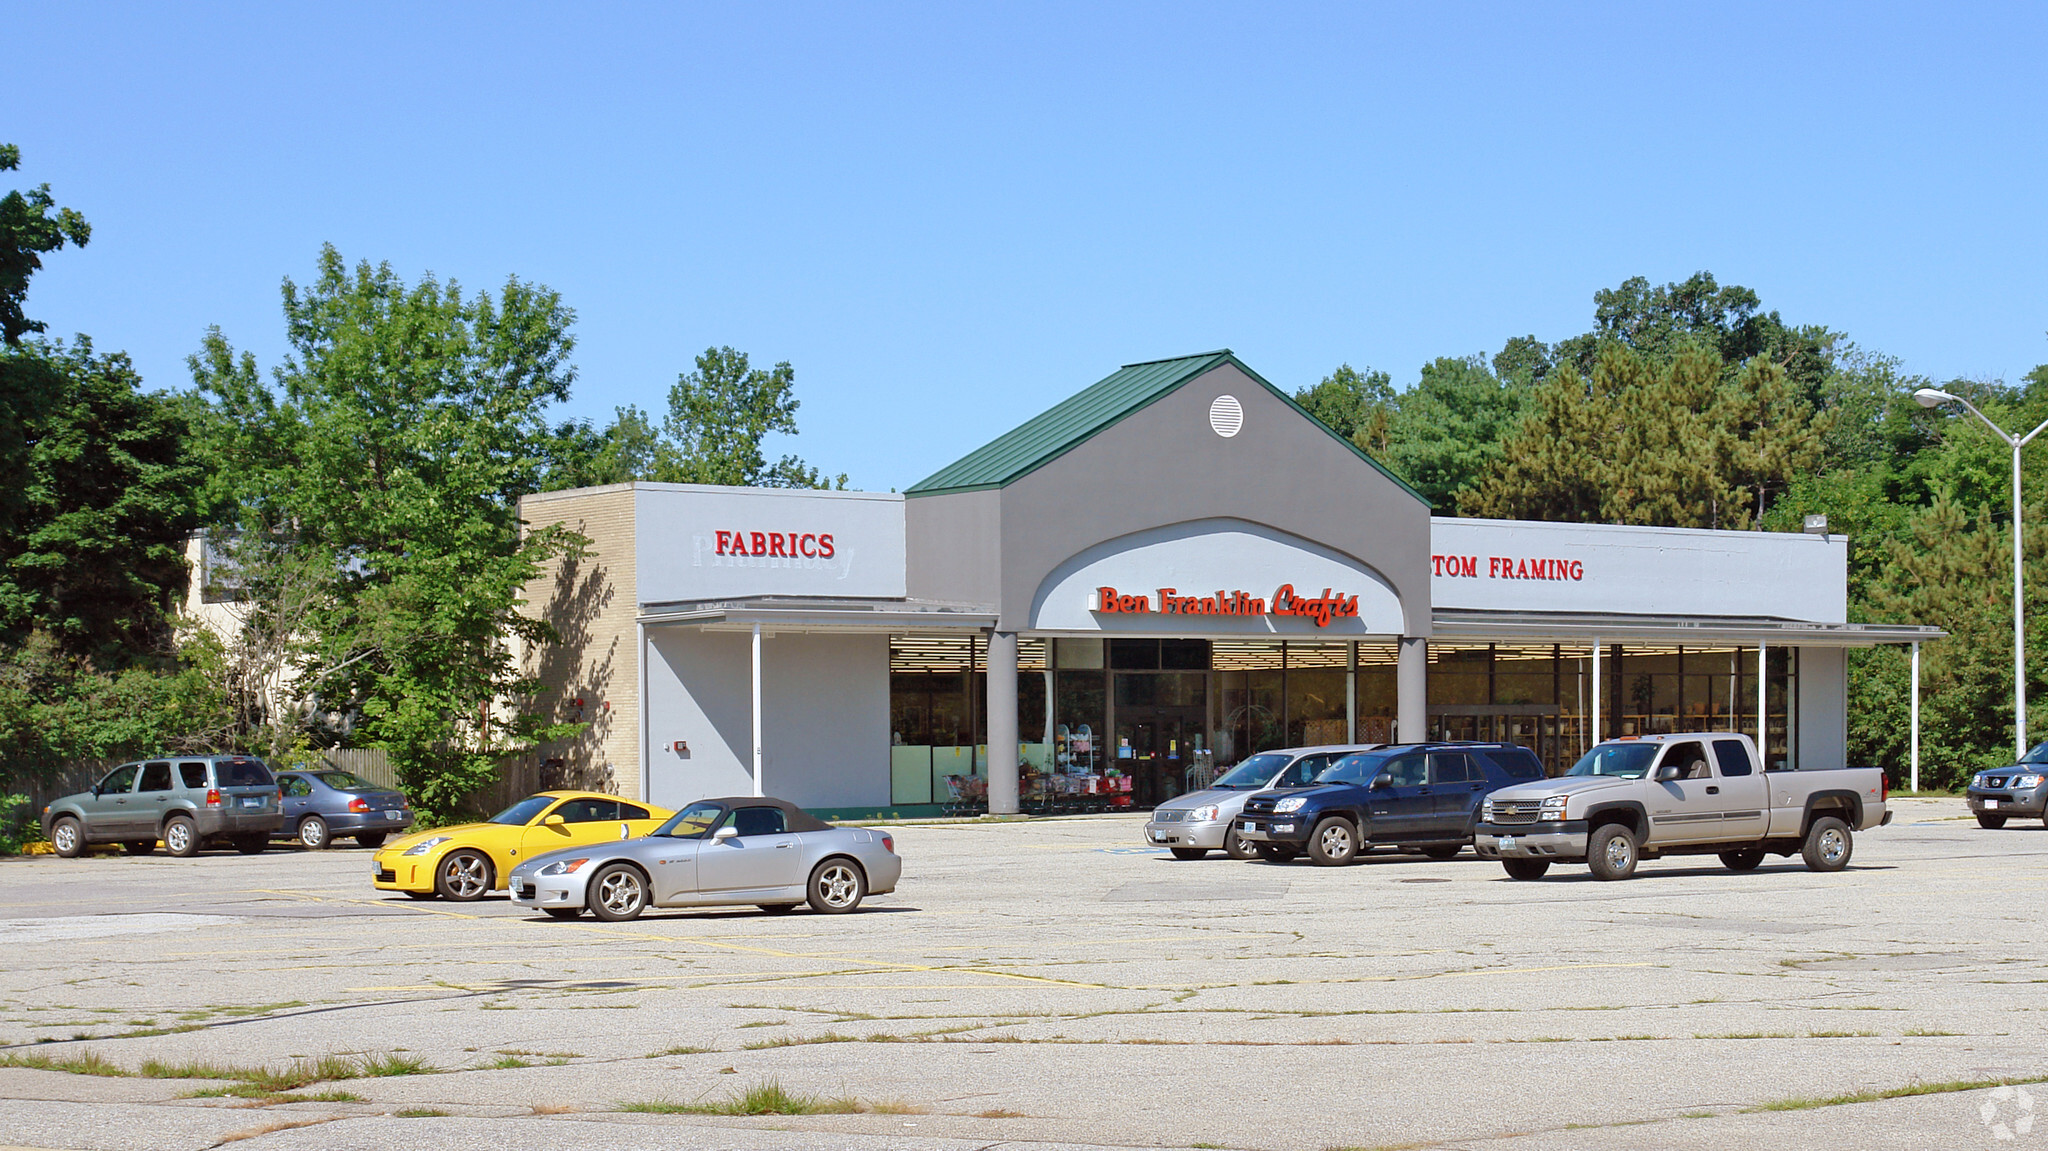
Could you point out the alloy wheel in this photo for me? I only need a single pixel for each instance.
(463, 875)
(838, 885)
(619, 892)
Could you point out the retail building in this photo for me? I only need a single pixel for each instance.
(1171, 569)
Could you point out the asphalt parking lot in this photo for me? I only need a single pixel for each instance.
(1053, 983)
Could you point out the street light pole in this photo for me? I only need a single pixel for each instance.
(1934, 397)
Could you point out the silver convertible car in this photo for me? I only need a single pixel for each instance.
(715, 852)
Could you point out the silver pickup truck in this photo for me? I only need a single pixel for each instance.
(1695, 793)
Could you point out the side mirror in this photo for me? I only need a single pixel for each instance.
(554, 821)
(1670, 773)
(727, 832)
(1380, 783)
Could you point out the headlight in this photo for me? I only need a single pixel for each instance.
(1553, 806)
(1204, 814)
(1486, 810)
(562, 867)
(1291, 803)
(428, 844)
(2027, 781)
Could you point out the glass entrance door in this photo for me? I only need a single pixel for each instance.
(1156, 746)
(1161, 719)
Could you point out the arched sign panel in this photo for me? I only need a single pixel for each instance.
(1216, 577)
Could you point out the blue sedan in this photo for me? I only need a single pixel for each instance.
(322, 803)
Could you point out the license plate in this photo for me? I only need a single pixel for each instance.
(1507, 843)
(1990, 803)
(1158, 837)
(1247, 826)
(394, 815)
(252, 801)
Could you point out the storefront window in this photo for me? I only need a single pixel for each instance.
(1315, 707)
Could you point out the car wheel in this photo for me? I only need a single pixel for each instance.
(180, 837)
(1829, 844)
(252, 844)
(1525, 868)
(370, 839)
(1444, 850)
(837, 887)
(1612, 852)
(139, 846)
(563, 912)
(67, 838)
(780, 908)
(313, 833)
(1994, 822)
(618, 892)
(1188, 852)
(1333, 843)
(1275, 852)
(1237, 848)
(1744, 860)
(463, 875)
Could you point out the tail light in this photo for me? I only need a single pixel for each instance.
(359, 805)
(888, 843)
(213, 797)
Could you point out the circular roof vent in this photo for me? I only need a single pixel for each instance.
(1226, 416)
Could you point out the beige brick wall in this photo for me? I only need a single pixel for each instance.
(592, 601)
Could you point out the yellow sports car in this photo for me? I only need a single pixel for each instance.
(466, 861)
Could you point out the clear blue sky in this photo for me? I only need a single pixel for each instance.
(950, 216)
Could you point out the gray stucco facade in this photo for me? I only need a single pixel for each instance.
(779, 639)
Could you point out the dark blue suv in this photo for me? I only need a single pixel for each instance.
(1418, 795)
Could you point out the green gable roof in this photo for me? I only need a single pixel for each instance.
(1059, 429)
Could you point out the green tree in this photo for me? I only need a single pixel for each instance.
(31, 226)
(1447, 429)
(1353, 404)
(389, 452)
(96, 558)
(718, 416)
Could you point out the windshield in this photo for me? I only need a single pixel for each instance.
(520, 814)
(2037, 754)
(344, 780)
(1622, 760)
(1352, 769)
(691, 822)
(242, 773)
(1255, 772)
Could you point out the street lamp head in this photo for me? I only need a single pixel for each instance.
(1934, 397)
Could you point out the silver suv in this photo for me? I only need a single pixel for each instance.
(188, 802)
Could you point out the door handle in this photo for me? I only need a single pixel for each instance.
(1713, 791)
(784, 846)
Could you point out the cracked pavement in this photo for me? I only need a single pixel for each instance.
(1051, 983)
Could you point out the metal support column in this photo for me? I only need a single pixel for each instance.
(1596, 689)
(1915, 727)
(1763, 719)
(1002, 723)
(1411, 691)
(1351, 696)
(646, 743)
(757, 711)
